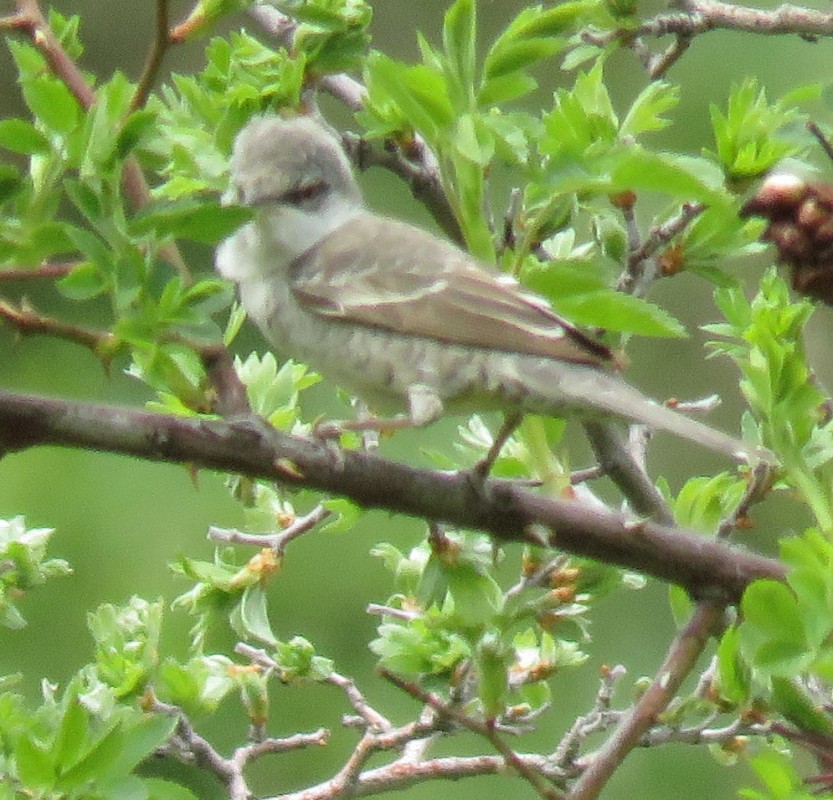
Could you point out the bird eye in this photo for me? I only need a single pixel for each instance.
(304, 192)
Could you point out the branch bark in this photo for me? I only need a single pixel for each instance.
(704, 567)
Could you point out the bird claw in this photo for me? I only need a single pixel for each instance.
(480, 471)
(327, 430)
(476, 477)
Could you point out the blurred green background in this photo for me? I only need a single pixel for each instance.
(121, 521)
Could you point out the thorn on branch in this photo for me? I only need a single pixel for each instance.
(823, 141)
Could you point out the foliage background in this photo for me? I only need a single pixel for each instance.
(120, 521)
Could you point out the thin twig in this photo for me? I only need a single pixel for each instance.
(758, 487)
(601, 717)
(278, 540)
(188, 746)
(153, 63)
(662, 62)
(823, 141)
(372, 718)
(617, 462)
(637, 279)
(44, 272)
(703, 16)
(680, 659)
(232, 399)
(580, 476)
(420, 173)
(535, 778)
(285, 744)
(26, 320)
(15, 23)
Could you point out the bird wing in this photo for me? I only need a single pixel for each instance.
(429, 288)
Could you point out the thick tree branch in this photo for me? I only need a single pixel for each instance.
(705, 568)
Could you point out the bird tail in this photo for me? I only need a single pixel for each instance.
(594, 391)
(659, 417)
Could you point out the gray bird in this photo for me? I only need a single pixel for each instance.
(404, 320)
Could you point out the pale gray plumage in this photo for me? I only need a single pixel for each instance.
(401, 318)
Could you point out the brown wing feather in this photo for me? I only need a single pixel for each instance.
(465, 304)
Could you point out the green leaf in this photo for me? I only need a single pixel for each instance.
(84, 198)
(771, 607)
(199, 685)
(470, 189)
(83, 282)
(52, 104)
(477, 596)
(733, 674)
(417, 648)
(622, 313)
(135, 129)
(681, 605)
(459, 40)
(34, 764)
(99, 761)
(775, 769)
(20, 136)
(645, 113)
(492, 659)
(251, 617)
(124, 787)
(534, 22)
(782, 657)
(474, 142)
(159, 789)
(72, 734)
(795, 703)
(198, 220)
(420, 93)
(94, 248)
(497, 91)
(140, 740)
(815, 596)
(512, 57)
(703, 501)
(748, 137)
(637, 168)
(11, 182)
